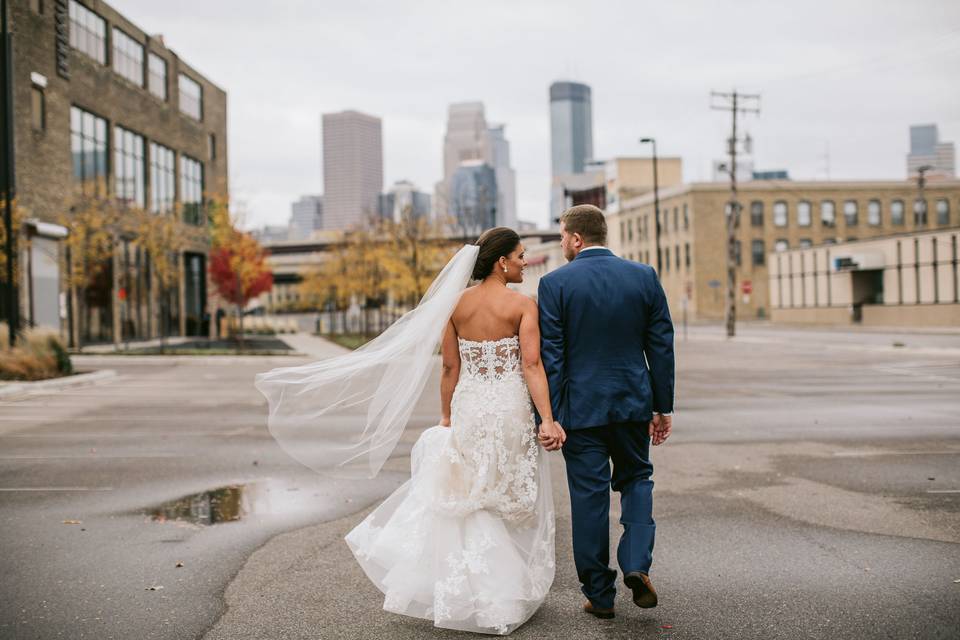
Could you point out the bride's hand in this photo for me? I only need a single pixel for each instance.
(551, 436)
(444, 422)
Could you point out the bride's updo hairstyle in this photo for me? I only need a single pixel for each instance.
(493, 243)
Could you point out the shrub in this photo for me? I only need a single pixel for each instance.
(39, 355)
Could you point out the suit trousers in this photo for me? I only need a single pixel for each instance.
(588, 454)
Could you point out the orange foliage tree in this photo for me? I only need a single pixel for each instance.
(239, 270)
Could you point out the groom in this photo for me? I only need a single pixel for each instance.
(607, 347)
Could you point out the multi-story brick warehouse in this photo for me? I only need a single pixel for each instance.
(775, 216)
(104, 110)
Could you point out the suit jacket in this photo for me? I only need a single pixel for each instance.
(606, 341)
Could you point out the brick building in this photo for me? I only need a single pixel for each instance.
(776, 215)
(102, 109)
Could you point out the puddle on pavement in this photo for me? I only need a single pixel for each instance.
(234, 502)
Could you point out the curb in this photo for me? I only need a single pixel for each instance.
(40, 386)
(229, 360)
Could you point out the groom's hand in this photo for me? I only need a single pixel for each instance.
(552, 438)
(660, 428)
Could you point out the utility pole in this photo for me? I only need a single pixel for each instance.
(7, 171)
(733, 102)
(656, 203)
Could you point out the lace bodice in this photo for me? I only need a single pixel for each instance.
(490, 359)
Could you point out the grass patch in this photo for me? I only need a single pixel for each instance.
(349, 340)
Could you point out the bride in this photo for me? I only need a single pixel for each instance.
(468, 541)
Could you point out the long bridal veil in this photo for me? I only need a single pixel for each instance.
(343, 416)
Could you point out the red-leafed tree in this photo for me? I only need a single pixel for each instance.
(239, 270)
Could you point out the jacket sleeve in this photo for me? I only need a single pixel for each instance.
(551, 341)
(658, 347)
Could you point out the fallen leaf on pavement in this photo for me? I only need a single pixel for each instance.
(178, 565)
(666, 626)
(72, 522)
(154, 588)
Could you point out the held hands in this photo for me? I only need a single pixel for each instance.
(551, 435)
(660, 428)
(444, 422)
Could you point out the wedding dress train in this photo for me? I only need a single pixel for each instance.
(468, 541)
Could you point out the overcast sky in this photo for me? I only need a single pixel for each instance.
(841, 81)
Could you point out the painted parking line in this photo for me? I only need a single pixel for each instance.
(868, 454)
(943, 490)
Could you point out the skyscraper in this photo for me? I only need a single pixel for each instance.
(466, 139)
(352, 168)
(473, 197)
(306, 216)
(401, 197)
(506, 177)
(571, 135)
(471, 142)
(927, 150)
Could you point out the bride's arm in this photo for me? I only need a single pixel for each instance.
(533, 371)
(450, 373)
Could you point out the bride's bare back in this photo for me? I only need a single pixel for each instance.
(487, 312)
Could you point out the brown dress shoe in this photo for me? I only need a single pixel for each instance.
(604, 614)
(644, 595)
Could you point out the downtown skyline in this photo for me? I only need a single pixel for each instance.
(837, 98)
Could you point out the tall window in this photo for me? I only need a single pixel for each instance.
(757, 252)
(666, 263)
(88, 32)
(873, 213)
(129, 167)
(677, 257)
(850, 212)
(686, 218)
(37, 5)
(686, 255)
(38, 108)
(756, 214)
(127, 57)
(157, 79)
(191, 97)
(943, 211)
(781, 245)
(806, 243)
(676, 219)
(828, 213)
(780, 213)
(737, 251)
(896, 212)
(162, 178)
(88, 145)
(920, 212)
(804, 216)
(630, 230)
(191, 190)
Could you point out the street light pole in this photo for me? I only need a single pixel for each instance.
(12, 304)
(656, 202)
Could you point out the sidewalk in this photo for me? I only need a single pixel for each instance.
(313, 346)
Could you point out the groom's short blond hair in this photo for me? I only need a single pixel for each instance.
(588, 221)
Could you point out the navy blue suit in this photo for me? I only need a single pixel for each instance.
(607, 348)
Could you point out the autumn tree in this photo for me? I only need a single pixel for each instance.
(416, 253)
(239, 271)
(164, 237)
(94, 224)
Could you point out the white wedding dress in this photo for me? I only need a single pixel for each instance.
(468, 541)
